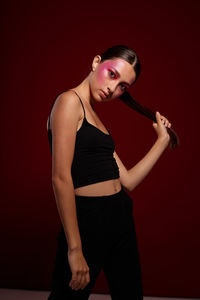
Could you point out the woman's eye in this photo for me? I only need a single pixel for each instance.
(123, 87)
(112, 73)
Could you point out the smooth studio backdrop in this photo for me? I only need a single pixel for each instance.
(48, 47)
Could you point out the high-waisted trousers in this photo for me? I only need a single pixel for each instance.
(108, 237)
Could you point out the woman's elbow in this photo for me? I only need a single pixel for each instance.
(129, 186)
(60, 177)
(126, 186)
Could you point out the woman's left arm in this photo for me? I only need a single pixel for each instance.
(132, 177)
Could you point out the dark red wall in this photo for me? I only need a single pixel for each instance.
(47, 47)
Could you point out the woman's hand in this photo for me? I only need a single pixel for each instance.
(161, 127)
(79, 269)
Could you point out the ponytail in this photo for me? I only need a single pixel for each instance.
(129, 55)
(130, 101)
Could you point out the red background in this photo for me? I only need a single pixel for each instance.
(47, 47)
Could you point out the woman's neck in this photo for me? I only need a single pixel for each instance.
(83, 91)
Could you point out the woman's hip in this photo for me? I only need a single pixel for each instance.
(103, 216)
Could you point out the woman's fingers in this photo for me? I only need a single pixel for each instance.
(75, 281)
(79, 268)
(84, 280)
(162, 120)
(158, 118)
(165, 121)
(87, 277)
(160, 126)
(80, 280)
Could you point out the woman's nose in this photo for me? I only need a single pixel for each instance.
(111, 89)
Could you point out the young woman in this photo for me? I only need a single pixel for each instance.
(90, 182)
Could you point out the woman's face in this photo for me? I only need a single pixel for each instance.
(112, 77)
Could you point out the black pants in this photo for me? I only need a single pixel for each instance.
(109, 242)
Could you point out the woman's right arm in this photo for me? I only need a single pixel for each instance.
(64, 120)
(65, 115)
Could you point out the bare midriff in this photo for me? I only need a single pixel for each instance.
(103, 188)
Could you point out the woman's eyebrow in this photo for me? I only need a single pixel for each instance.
(119, 75)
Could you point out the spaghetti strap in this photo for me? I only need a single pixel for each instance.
(53, 105)
(80, 100)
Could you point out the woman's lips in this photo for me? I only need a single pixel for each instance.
(103, 94)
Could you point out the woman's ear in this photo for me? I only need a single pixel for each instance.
(96, 62)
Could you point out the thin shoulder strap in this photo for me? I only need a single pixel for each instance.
(80, 100)
(53, 105)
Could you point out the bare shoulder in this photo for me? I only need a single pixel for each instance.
(69, 94)
(68, 105)
(64, 123)
(67, 99)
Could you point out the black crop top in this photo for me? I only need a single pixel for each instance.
(93, 159)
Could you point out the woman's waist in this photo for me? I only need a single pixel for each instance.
(103, 188)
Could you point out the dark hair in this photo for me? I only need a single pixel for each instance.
(128, 54)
